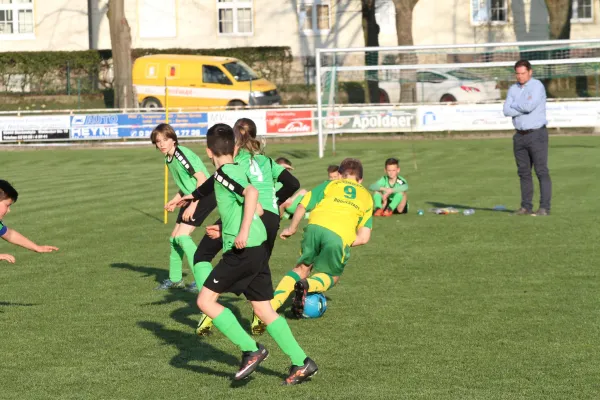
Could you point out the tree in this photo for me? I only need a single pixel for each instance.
(120, 38)
(371, 34)
(404, 14)
(559, 15)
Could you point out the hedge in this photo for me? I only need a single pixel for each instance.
(52, 71)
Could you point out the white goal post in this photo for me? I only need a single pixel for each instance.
(464, 73)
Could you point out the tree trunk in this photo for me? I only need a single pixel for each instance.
(120, 38)
(404, 13)
(371, 35)
(559, 13)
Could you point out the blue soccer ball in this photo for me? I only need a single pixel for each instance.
(315, 305)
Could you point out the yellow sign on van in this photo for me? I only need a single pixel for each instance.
(199, 81)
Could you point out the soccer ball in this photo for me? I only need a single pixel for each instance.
(315, 305)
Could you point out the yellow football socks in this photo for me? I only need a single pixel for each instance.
(320, 282)
(284, 289)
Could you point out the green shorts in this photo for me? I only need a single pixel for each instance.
(324, 250)
(291, 209)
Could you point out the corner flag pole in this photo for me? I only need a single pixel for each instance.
(166, 214)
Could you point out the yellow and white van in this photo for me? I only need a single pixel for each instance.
(195, 81)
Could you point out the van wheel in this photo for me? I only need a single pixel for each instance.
(447, 98)
(151, 102)
(236, 104)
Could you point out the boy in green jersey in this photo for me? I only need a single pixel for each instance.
(244, 266)
(8, 196)
(189, 172)
(390, 195)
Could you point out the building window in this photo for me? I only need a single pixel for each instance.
(235, 17)
(582, 11)
(16, 18)
(314, 17)
(489, 11)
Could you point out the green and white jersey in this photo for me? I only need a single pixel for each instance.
(230, 182)
(263, 174)
(3, 228)
(400, 185)
(183, 165)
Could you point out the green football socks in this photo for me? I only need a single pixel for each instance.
(281, 333)
(231, 328)
(378, 200)
(189, 247)
(175, 261)
(201, 271)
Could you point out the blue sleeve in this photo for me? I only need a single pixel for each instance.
(531, 98)
(508, 111)
(3, 229)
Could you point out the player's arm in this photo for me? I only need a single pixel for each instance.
(8, 258)
(189, 212)
(15, 237)
(289, 183)
(363, 235)
(308, 203)
(205, 189)
(293, 227)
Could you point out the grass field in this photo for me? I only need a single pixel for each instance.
(487, 306)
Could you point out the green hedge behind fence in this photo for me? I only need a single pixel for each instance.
(67, 72)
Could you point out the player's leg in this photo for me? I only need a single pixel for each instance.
(327, 268)
(379, 203)
(175, 279)
(397, 204)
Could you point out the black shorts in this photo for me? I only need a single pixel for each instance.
(243, 271)
(271, 222)
(205, 207)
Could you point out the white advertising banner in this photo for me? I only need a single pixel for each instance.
(46, 127)
(482, 117)
(230, 117)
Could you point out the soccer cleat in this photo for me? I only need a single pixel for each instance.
(204, 326)
(169, 284)
(192, 288)
(388, 213)
(258, 327)
(250, 361)
(299, 374)
(300, 289)
(378, 212)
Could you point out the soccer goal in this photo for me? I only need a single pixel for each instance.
(374, 80)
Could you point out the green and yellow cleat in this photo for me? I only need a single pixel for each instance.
(258, 327)
(204, 326)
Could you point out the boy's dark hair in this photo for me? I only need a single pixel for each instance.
(163, 129)
(523, 63)
(220, 140)
(392, 161)
(245, 135)
(351, 166)
(7, 191)
(283, 160)
(332, 168)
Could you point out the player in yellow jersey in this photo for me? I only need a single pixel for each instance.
(340, 218)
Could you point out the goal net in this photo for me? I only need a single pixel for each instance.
(461, 74)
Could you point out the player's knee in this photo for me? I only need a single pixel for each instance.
(335, 279)
(303, 270)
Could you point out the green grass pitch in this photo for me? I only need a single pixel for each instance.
(487, 306)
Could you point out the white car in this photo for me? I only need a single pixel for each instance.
(436, 86)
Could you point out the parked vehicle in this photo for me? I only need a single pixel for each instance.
(199, 81)
(436, 86)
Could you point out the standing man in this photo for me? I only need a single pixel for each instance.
(526, 104)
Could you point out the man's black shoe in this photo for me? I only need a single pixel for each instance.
(299, 374)
(300, 289)
(250, 361)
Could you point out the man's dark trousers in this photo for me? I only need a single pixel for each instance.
(531, 148)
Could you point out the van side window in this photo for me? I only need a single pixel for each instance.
(212, 74)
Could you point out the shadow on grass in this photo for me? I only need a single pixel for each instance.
(572, 146)
(438, 204)
(11, 304)
(154, 217)
(158, 273)
(194, 352)
(297, 153)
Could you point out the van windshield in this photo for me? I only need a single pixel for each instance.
(240, 71)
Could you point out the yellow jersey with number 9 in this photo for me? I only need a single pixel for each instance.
(342, 206)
